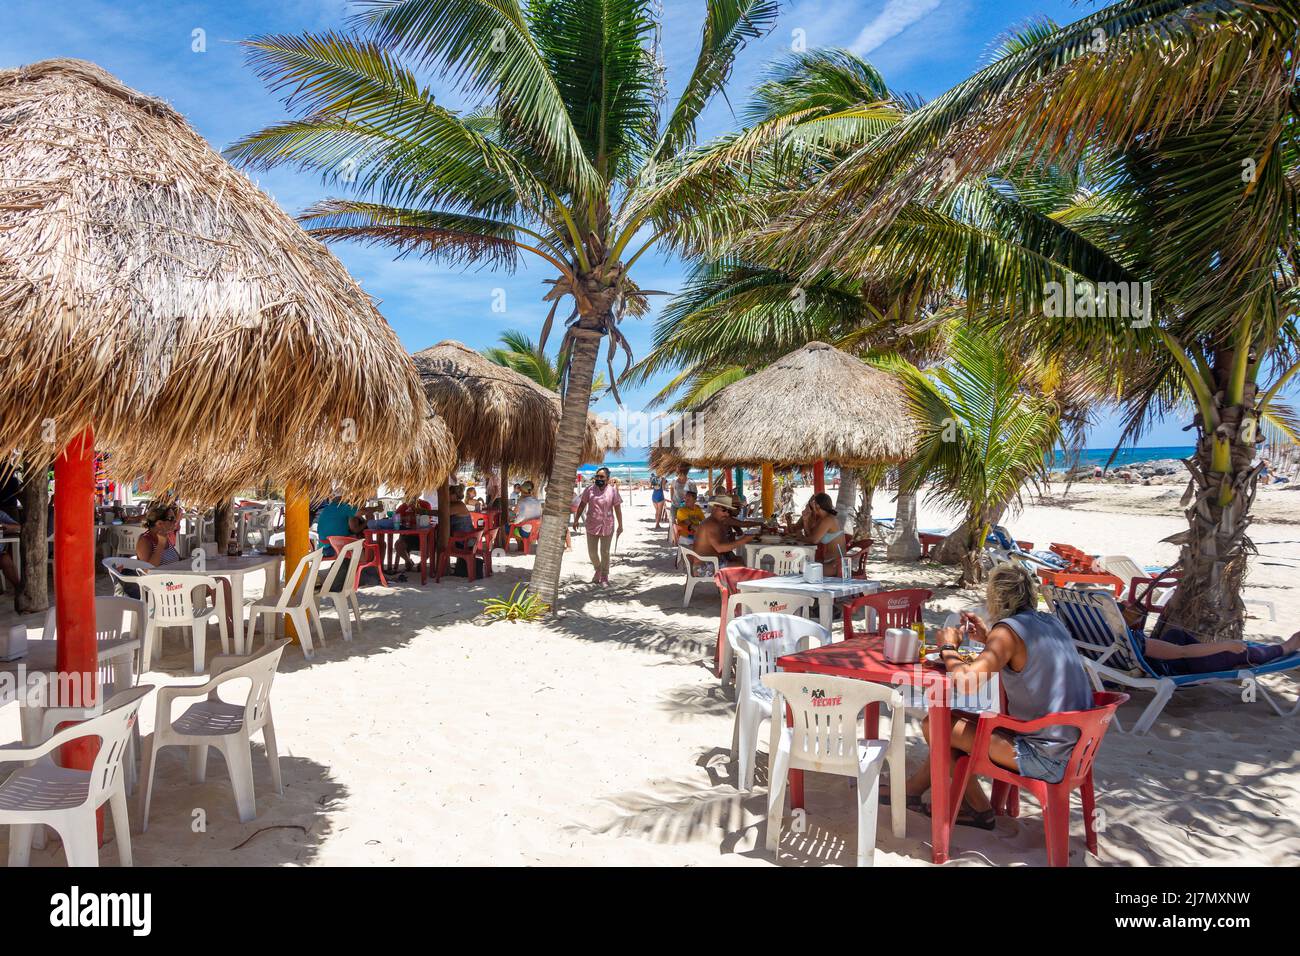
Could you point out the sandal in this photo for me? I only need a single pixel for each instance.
(966, 817)
(914, 803)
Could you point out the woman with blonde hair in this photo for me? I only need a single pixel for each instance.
(158, 544)
(1040, 673)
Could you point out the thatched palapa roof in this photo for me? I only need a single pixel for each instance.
(498, 415)
(151, 291)
(815, 404)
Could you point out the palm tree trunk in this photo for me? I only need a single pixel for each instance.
(34, 592)
(906, 546)
(867, 489)
(845, 498)
(569, 440)
(222, 525)
(957, 547)
(1215, 547)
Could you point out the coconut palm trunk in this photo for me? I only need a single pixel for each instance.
(33, 594)
(845, 499)
(1215, 546)
(569, 439)
(906, 545)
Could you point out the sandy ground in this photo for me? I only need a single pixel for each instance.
(601, 737)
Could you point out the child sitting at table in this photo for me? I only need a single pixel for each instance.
(689, 517)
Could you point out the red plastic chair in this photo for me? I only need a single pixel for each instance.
(1054, 797)
(534, 526)
(371, 551)
(929, 540)
(468, 545)
(728, 581)
(1064, 579)
(858, 558)
(893, 609)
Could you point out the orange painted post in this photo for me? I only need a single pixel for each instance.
(74, 587)
(297, 539)
(819, 478)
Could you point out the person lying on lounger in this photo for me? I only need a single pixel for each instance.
(1177, 652)
(1041, 674)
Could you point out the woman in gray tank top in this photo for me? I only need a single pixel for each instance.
(1041, 674)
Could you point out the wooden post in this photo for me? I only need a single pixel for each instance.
(726, 472)
(740, 481)
(444, 516)
(769, 490)
(819, 478)
(297, 543)
(503, 532)
(74, 586)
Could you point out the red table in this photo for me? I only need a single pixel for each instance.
(428, 541)
(863, 658)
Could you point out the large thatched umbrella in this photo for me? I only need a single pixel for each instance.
(498, 417)
(815, 405)
(158, 304)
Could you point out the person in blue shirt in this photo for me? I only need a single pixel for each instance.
(333, 519)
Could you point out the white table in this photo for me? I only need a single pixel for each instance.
(826, 592)
(752, 549)
(28, 678)
(233, 570)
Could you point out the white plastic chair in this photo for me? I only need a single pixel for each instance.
(44, 794)
(116, 565)
(761, 602)
(213, 722)
(757, 640)
(824, 739)
(111, 615)
(686, 555)
(344, 599)
(125, 537)
(297, 602)
(784, 560)
(172, 603)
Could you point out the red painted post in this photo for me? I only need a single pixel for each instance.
(819, 478)
(74, 585)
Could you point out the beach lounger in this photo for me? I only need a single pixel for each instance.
(1111, 652)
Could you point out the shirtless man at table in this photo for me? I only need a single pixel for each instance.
(714, 538)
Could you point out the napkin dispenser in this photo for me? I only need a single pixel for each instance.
(13, 644)
(813, 571)
(902, 645)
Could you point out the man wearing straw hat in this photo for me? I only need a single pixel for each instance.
(714, 539)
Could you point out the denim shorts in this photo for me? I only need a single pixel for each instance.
(1034, 765)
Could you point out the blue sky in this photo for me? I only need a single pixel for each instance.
(921, 46)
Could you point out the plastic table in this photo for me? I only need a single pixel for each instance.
(863, 658)
(826, 592)
(233, 569)
(428, 542)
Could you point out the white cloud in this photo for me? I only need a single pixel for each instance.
(896, 17)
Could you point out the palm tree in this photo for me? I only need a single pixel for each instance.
(520, 353)
(1183, 118)
(565, 155)
(984, 428)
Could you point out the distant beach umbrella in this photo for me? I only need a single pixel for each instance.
(497, 415)
(815, 404)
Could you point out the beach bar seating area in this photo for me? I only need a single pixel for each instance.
(823, 563)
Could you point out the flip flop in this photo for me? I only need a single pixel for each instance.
(913, 803)
(966, 817)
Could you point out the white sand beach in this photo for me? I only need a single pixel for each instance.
(601, 736)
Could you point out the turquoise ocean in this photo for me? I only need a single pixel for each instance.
(633, 464)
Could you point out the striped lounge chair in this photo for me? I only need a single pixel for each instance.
(1112, 652)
